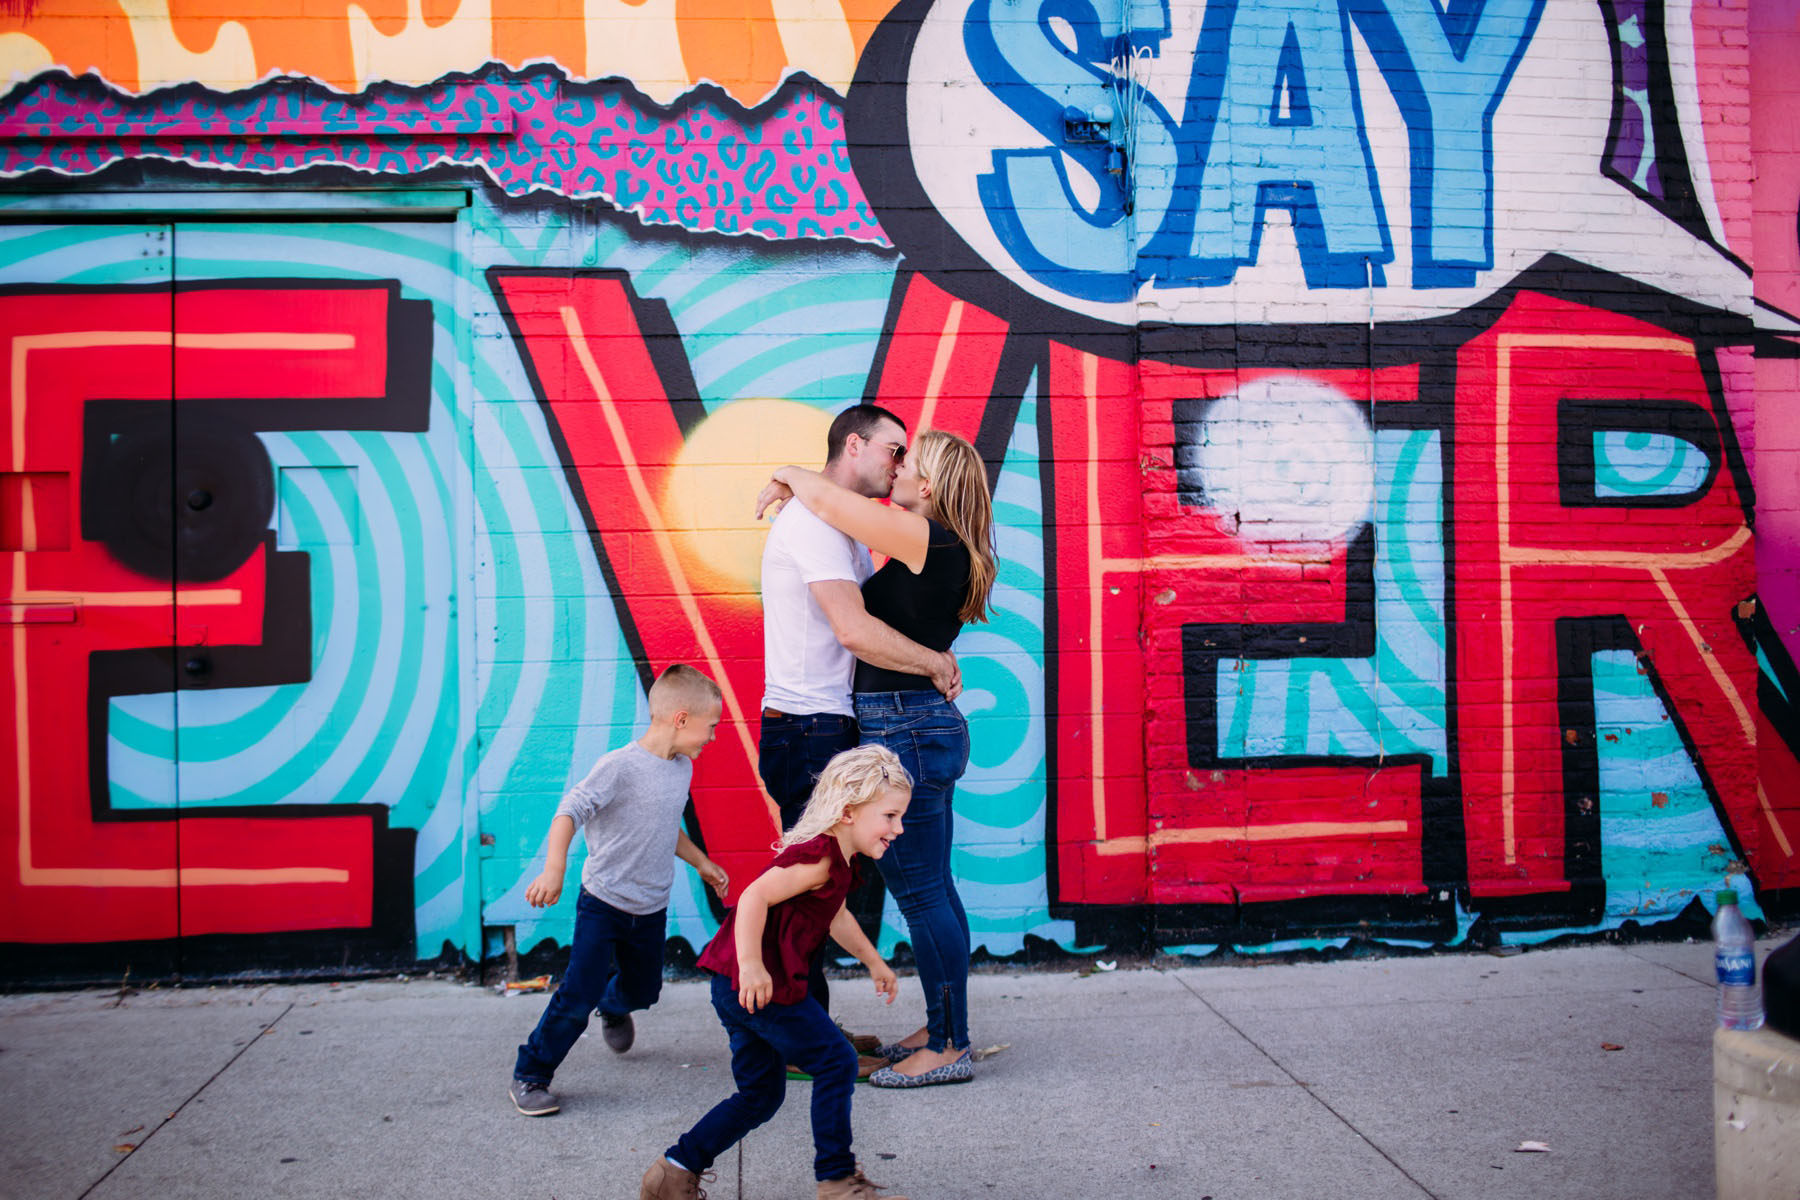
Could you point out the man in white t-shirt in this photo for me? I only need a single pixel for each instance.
(815, 626)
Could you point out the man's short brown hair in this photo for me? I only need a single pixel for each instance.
(860, 419)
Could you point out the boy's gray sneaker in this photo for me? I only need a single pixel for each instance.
(533, 1098)
(619, 1032)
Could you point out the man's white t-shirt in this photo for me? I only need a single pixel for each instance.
(805, 670)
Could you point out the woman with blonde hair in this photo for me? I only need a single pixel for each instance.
(938, 536)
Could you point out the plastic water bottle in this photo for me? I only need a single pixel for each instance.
(1734, 958)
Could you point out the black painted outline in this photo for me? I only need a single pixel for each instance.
(1783, 710)
(1578, 420)
(1681, 200)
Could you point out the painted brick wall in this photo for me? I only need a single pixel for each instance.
(1393, 455)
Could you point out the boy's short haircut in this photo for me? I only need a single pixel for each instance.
(682, 687)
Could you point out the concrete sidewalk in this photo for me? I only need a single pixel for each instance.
(1378, 1079)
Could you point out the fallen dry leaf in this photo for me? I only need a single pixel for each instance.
(1611, 1046)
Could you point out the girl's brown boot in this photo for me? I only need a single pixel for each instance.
(854, 1186)
(666, 1181)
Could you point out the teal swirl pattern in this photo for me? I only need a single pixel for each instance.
(997, 854)
(1638, 464)
(1661, 842)
(1394, 702)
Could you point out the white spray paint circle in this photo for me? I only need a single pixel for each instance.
(1283, 459)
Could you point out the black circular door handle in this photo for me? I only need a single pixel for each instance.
(199, 499)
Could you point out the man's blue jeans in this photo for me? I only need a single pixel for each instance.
(790, 753)
(615, 965)
(763, 1043)
(931, 738)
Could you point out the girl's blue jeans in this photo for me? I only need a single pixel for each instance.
(615, 965)
(763, 1043)
(931, 737)
(791, 751)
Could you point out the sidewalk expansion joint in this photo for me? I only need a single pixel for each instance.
(145, 1140)
(1308, 1089)
(1705, 980)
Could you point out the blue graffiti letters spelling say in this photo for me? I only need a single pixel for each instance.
(1272, 119)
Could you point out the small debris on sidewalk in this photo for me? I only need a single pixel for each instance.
(1611, 1046)
(517, 986)
(1532, 1148)
(990, 1051)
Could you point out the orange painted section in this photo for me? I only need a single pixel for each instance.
(736, 44)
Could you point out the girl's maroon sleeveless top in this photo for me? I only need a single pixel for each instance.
(795, 928)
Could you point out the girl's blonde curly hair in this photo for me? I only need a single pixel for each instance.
(854, 777)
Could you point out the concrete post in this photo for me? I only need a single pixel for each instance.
(1756, 1115)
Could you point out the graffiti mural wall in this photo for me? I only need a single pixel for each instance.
(1390, 408)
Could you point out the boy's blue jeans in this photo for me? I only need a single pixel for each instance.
(615, 965)
(931, 738)
(763, 1043)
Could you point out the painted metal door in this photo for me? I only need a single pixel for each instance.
(85, 312)
(285, 478)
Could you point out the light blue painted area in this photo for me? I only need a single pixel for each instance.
(140, 747)
(1395, 702)
(564, 651)
(1637, 464)
(1661, 843)
(1319, 168)
(1293, 945)
(1660, 837)
(998, 850)
(1448, 77)
(1193, 950)
(1040, 214)
(372, 699)
(113, 256)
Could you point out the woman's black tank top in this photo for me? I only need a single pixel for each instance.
(924, 606)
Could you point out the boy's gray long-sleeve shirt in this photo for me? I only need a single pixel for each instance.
(629, 808)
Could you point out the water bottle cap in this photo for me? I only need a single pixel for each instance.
(1727, 896)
